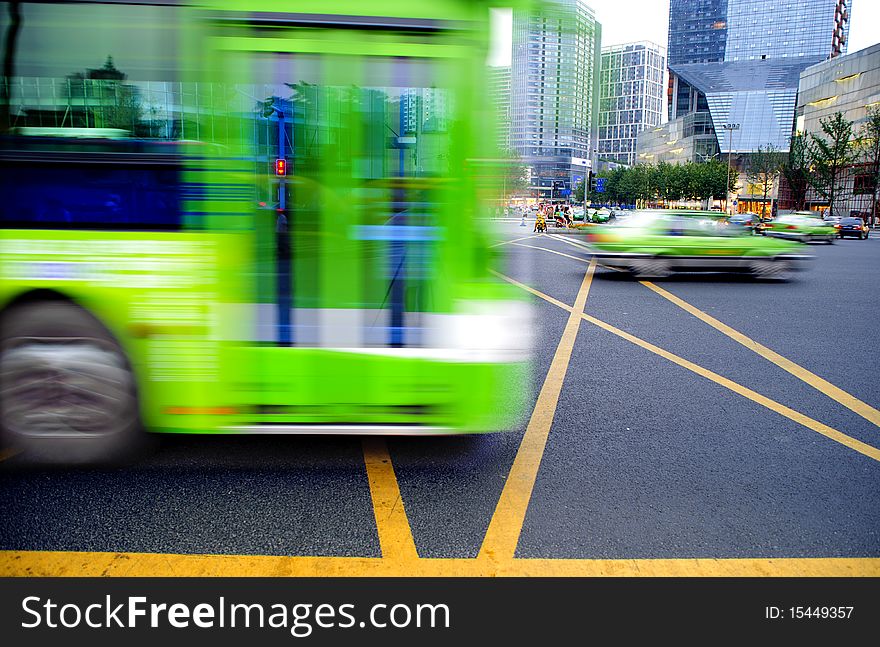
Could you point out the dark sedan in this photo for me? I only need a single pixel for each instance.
(854, 227)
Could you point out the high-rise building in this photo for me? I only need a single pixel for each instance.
(631, 97)
(734, 67)
(554, 89)
(737, 63)
(849, 85)
(499, 93)
(711, 42)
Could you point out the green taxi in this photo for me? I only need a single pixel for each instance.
(656, 243)
(804, 226)
(601, 215)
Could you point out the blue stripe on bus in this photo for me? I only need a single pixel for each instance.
(395, 232)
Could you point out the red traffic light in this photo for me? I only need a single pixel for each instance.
(280, 167)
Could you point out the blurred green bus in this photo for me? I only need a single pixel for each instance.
(250, 217)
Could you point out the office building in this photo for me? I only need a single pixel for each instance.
(554, 89)
(850, 85)
(499, 94)
(739, 62)
(631, 97)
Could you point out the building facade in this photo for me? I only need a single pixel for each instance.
(739, 62)
(499, 94)
(849, 85)
(554, 93)
(631, 97)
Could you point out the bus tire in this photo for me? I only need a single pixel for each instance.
(67, 391)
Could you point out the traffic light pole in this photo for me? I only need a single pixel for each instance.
(282, 247)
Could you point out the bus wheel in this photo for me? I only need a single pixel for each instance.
(67, 391)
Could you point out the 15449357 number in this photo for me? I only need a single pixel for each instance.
(821, 613)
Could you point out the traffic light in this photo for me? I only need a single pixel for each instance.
(592, 184)
(280, 167)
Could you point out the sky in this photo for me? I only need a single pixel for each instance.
(625, 21)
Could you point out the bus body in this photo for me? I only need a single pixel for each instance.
(267, 223)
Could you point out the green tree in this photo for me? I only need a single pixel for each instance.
(796, 170)
(515, 177)
(869, 145)
(579, 192)
(831, 155)
(719, 178)
(613, 186)
(677, 182)
(764, 166)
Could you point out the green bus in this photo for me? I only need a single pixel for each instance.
(250, 217)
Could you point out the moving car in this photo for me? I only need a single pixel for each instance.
(804, 226)
(748, 221)
(854, 227)
(601, 215)
(658, 243)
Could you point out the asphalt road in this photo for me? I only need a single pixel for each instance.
(646, 458)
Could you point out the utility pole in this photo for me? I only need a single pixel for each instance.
(729, 128)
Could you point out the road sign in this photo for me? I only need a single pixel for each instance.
(600, 185)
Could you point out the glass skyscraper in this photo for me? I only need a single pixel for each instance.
(499, 93)
(697, 31)
(554, 92)
(631, 97)
(734, 67)
(739, 60)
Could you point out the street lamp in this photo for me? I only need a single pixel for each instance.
(729, 128)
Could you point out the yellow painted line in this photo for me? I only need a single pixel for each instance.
(8, 453)
(395, 536)
(502, 536)
(851, 402)
(552, 251)
(515, 240)
(537, 293)
(754, 396)
(86, 564)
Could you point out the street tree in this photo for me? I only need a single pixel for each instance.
(796, 170)
(515, 175)
(764, 166)
(579, 192)
(831, 154)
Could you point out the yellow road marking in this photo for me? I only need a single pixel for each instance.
(395, 536)
(502, 536)
(537, 293)
(85, 564)
(754, 396)
(8, 453)
(851, 402)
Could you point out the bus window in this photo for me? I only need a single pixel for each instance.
(89, 196)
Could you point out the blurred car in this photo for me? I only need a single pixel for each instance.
(601, 216)
(658, 243)
(804, 226)
(748, 221)
(854, 227)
